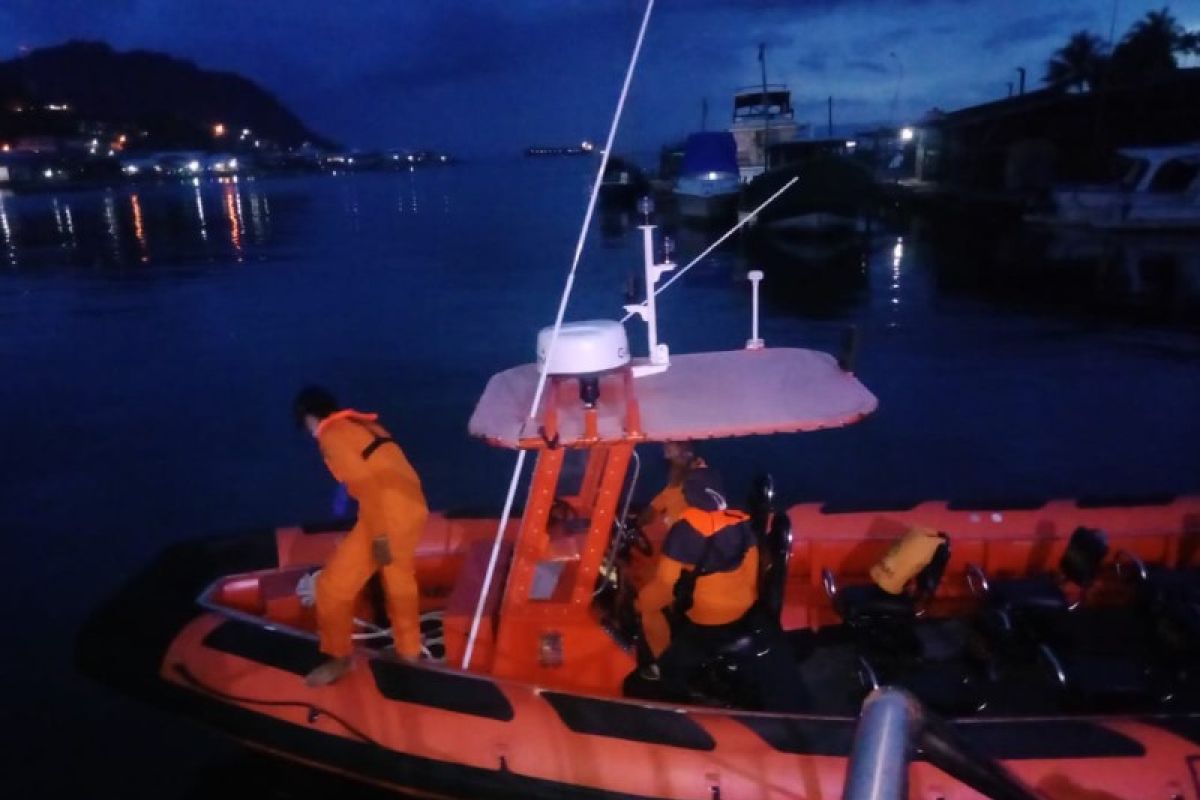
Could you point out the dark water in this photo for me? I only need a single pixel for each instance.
(152, 340)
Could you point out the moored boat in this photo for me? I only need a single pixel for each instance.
(1159, 190)
(708, 184)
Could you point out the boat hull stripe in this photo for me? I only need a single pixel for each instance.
(464, 695)
(1008, 740)
(620, 721)
(274, 648)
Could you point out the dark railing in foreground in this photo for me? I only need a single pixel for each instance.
(892, 727)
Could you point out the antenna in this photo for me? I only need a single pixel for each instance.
(660, 354)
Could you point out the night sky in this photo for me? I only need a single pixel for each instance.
(478, 77)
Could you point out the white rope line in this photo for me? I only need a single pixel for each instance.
(717, 243)
(558, 320)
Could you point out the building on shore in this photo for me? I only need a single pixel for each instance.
(1019, 146)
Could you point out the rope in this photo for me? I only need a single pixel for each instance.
(562, 310)
(717, 243)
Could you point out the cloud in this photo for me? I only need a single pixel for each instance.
(1036, 28)
(871, 67)
(813, 62)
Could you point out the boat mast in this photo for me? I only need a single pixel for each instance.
(762, 61)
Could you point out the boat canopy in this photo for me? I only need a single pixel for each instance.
(701, 396)
(712, 151)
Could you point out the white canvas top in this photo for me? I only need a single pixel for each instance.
(702, 396)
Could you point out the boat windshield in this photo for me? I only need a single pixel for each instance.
(1174, 176)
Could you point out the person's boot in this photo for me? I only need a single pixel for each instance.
(329, 672)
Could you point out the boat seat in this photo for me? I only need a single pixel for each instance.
(1104, 681)
(867, 604)
(773, 532)
(1080, 565)
(1169, 600)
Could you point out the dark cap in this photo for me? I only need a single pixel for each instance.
(702, 489)
(313, 400)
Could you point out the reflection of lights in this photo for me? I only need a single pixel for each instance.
(712, 176)
(235, 219)
(411, 158)
(443, 158)
(7, 232)
(49, 173)
(906, 134)
(130, 169)
(898, 250)
(58, 220)
(200, 209)
(110, 218)
(139, 229)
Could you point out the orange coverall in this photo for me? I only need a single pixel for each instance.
(361, 454)
(721, 597)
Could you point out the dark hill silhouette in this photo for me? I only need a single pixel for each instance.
(172, 99)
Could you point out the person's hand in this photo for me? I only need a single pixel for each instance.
(381, 551)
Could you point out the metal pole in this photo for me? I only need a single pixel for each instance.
(883, 742)
(755, 277)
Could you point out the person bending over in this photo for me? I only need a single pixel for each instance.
(362, 455)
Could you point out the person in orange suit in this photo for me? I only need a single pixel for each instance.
(713, 549)
(669, 504)
(362, 455)
(704, 596)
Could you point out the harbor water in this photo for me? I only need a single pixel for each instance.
(153, 337)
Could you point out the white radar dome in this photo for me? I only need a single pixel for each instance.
(583, 348)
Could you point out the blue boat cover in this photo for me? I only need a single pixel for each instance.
(713, 151)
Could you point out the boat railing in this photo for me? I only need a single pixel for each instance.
(892, 727)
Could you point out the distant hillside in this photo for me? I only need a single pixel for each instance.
(173, 100)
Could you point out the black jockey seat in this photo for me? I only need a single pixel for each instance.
(1080, 565)
(755, 668)
(1168, 601)
(866, 605)
(896, 645)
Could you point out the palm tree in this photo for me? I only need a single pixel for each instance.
(1150, 46)
(1078, 64)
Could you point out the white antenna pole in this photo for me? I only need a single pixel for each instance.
(717, 243)
(755, 277)
(659, 354)
(562, 310)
